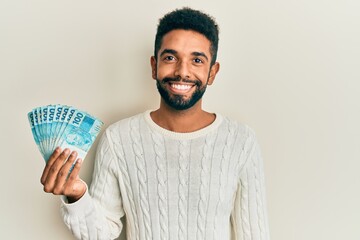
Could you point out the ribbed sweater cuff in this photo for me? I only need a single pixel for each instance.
(79, 207)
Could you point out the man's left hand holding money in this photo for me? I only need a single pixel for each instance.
(56, 178)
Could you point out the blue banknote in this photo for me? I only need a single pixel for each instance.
(33, 131)
(43, 120)
(80, 133)
(55, 124)
(47, 116)
(64, 126)
(61, 124)
(39, 137)
(51, 116)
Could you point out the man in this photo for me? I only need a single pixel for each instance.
(178, 172)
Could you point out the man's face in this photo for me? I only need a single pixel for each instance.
(182, 69)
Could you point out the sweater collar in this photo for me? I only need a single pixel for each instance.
(182, 136)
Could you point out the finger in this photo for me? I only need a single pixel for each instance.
(63, 174)
(49, 163)
(54, 170)
(71, 186)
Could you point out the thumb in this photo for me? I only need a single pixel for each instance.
(79, 188)
(79, 185)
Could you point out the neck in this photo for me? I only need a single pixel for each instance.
(182, 121)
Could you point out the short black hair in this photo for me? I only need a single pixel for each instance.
(189, 19)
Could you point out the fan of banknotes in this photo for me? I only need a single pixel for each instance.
(64, 126)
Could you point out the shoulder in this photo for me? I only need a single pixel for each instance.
(241, 129)
(124, 123)
(122, 126)
(241, 135)
(245, 142)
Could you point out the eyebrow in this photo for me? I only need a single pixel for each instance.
(200, 54)
(172, 51)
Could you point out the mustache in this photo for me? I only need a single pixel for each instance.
(179, 79)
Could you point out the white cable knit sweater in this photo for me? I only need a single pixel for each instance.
(207, 184)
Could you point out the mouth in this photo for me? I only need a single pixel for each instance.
(178, 88)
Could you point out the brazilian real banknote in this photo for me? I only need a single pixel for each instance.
(63, 126)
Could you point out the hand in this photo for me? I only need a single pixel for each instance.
(56, 178)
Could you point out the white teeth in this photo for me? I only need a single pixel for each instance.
(181, 86)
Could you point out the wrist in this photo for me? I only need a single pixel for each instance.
(72, 199)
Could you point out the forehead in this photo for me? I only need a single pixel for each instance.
(185, 41)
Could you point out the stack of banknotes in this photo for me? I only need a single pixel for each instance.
(63, 126)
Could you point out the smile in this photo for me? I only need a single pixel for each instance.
(180, 88)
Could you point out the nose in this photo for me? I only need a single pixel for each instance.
(182, 70)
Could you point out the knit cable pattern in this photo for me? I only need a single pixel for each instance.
(204, 186)
(127, 182)
(141, 175)
(245, 221)
(245, 152)
(213, 174)
(259, 201)
(183, 188)
(226, 153)
(246, 159)
(161, 174)
(101, 164)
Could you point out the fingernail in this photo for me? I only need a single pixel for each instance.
(79, 161)
(66, 151)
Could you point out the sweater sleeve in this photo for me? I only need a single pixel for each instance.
(249, 214)
(97, 214)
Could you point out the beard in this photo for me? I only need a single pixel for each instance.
(177, 101)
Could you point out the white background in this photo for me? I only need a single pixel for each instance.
(289, 69)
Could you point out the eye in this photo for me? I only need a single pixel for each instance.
(169, 58)
(198, 60)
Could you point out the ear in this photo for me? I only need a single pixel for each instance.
(153, 67)
(213, 71)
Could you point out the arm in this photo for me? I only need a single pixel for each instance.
(96, 213)
(249, 215)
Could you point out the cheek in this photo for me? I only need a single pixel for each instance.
(165, 71)
(202, 74)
